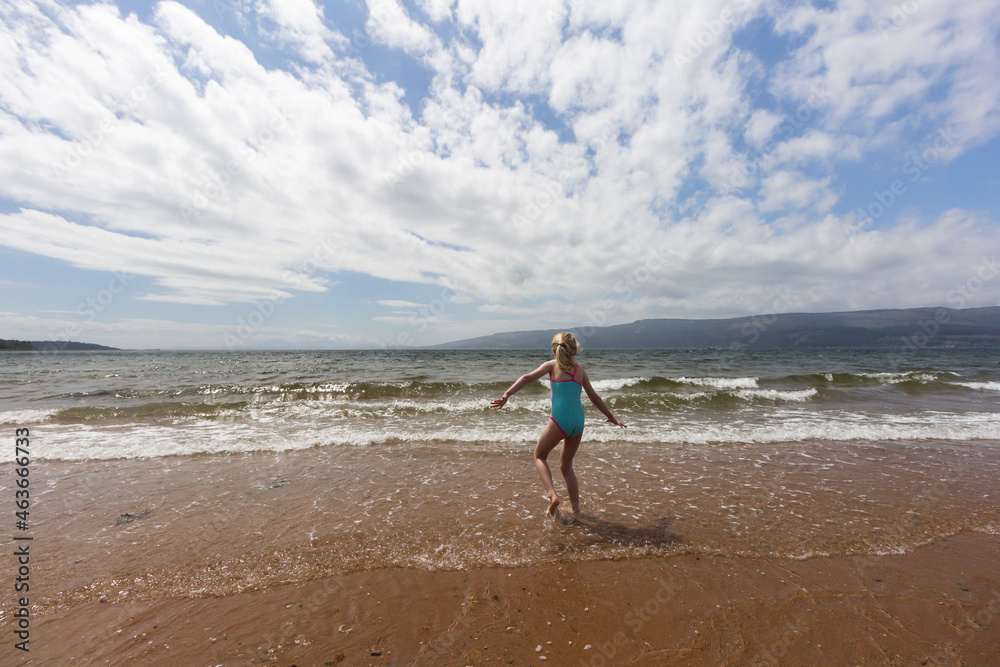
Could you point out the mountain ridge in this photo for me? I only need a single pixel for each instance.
(883, 328)
(10, 345)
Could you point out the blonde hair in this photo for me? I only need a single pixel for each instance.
(564, 348)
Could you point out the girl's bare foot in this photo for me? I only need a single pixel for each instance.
(551, 511)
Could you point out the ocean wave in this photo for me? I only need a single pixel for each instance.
(951, 427)
(868, 379)
(776, 394)
(617, 383)
(392, 408)
(360, 390)
(206, 436)
(348, 407)
(26, 417)
(146, 412)
(683, 388)
(718, 399)
(895, 378)
(988, 386)
(720, 382)
(638, 395)
(319, 388)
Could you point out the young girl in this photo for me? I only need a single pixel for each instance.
(566, 422)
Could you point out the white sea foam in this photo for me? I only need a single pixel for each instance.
(776, 394)
(326, 388)
(82, 442)
(618, 383)
(26, 417)
(989, 386)
(691, 395)
(281, 433)
(721, 382)
(983, 426)
(896, 378)
(383, 408)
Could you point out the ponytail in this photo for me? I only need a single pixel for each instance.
(564, 348)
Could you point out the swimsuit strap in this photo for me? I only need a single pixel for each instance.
(572, 376)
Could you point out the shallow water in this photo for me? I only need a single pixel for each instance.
(219, 524)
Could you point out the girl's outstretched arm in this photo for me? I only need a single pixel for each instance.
(596, 400)
(523, 381)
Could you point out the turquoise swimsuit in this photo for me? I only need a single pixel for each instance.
(567, 410)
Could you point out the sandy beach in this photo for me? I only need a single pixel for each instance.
(939, 605)
(312, 558)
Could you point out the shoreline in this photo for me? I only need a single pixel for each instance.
(938, 605)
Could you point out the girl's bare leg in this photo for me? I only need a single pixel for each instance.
(566, 466)
(547, 441)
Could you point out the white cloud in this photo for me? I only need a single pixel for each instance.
(784, 190)
(300, 25)
(170, 151)
(811, 145)
(508, 310)
(870, 60)
(438, 10)
(170, 334)
(389, 22)
(518, 40)
(761, 125)
(395, 303)
(585, 73)
(195, 272)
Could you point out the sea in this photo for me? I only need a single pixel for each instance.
(108, 405)
(207, 473)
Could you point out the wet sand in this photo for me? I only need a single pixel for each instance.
(811, 553)
(939, 605)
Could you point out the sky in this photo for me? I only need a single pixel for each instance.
(284, 174)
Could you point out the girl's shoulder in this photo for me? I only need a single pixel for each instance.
(549, 366)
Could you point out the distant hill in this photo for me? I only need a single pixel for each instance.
(49, 345)
(920, 327)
